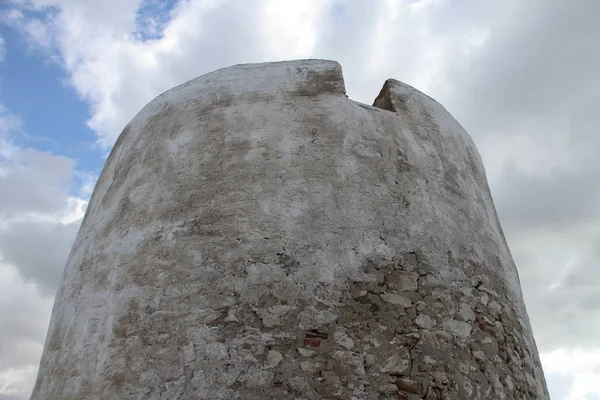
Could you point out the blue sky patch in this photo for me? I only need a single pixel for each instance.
(151, 18)
(53, 117)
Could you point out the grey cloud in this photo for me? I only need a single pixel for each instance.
(541, 57)
(559, 200)
(536, 77)
(347, 35)
(32, 249)
(39, 250)
(568, 315)
(23, 327)
(34, 192)
(559, 384)
(34, 181)
(4, 396)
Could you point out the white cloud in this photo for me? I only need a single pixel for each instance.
(38, 222)
(39, 216)
(17, 383)
(520, 76)
(118, 72)
(39, 249)
(528, 99)
(118, 76)
(35, 31)
(8, 123)
(25, 318)
(34, 182)
(577, 369)
(2, 49)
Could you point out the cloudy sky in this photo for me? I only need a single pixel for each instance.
(522, 76)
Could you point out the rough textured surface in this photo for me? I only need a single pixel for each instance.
(255, 234)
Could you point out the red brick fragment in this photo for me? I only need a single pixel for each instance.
(315, 334)
(402, 396)
(313, 338)
(409, 386)
(312, 342)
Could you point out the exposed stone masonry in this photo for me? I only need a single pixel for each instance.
(424, 339)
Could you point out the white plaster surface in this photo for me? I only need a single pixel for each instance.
(255, 234)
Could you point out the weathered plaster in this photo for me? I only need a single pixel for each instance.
(255, 234)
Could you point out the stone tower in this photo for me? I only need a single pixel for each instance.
(255, 234)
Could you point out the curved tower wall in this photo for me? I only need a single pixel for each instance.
(255, 234)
